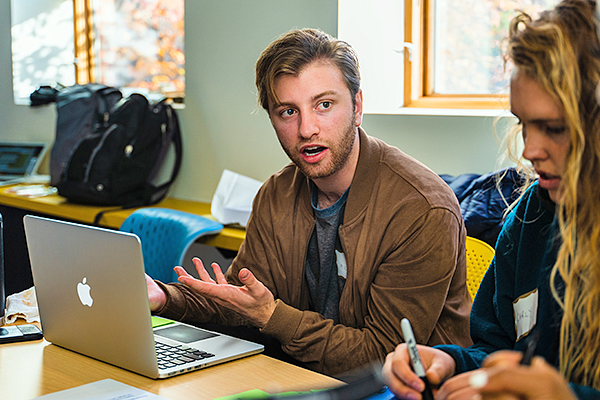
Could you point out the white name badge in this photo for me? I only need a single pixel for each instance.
(340, 260)
(525, 311)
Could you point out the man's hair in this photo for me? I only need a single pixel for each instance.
(561, 52)
(295, 50)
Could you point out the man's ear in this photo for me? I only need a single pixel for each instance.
(358, 108)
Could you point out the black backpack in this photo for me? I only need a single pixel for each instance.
(80, 109)
(120, 152)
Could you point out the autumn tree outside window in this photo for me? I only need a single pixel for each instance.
(136, 45)
(139, 44)
(447, 53)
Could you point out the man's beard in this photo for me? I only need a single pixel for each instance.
(340, 152)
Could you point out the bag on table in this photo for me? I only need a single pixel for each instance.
(119, 160)
(79, 109)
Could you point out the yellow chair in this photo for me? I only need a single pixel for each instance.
(479, 257)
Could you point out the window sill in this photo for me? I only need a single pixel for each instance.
(178, 105)
(445, 112)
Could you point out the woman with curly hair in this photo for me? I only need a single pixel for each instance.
(545, 277)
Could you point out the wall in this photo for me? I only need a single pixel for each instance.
(222, 125)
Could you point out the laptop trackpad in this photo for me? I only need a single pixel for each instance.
(184, 334)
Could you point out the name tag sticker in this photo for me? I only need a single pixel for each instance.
(340, 260)
(525, 310)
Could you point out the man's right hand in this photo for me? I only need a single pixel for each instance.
(401, 379)
(156, 295)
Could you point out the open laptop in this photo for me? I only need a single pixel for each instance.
(92, 299)
(19, 161)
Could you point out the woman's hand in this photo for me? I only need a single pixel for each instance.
(538, 381)
(503, 377)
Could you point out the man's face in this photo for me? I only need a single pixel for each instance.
(315, 120)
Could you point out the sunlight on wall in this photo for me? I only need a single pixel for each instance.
(42, 45)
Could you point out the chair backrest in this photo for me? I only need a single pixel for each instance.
(479, 257)
(166, 236)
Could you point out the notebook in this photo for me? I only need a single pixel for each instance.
(18, 161)
(92, 299)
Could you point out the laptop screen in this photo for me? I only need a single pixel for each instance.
(19, 158)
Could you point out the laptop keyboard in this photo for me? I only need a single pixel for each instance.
(172, 356)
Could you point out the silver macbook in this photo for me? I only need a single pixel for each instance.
(19, 161)
(92, 299)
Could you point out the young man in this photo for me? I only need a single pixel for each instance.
(342, 243)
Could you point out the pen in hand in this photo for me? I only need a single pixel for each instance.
(415, 360)
(532, 341)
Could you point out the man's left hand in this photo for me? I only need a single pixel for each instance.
(252, 301)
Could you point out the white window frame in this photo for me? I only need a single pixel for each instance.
(392, 38)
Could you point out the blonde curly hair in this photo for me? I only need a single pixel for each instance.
(561, 51)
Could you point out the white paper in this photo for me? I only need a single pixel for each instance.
(232, 201)
(22, 305)
(106, 389)
(525, 311)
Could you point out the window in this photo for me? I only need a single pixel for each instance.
(431, 53)
(136, 45)
(42, 45)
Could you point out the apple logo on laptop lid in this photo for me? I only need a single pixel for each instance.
(83, 291)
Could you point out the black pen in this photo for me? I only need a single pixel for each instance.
(532, 342)
(413, 353)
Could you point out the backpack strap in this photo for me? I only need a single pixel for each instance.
(104, 104)
(173, 135)
(99, 216)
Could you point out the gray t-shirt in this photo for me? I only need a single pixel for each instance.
(325, 269)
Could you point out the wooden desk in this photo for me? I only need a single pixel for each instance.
(32, 369)
(59, 207)
(13, 207)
